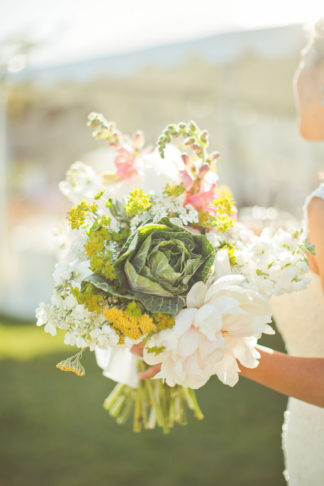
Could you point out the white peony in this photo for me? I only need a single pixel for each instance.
(219, 327)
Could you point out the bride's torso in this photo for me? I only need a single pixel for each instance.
(300, 319)
(300, 316)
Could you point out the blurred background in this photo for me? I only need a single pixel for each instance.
(226, 65)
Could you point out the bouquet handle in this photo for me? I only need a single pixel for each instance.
(119, 365)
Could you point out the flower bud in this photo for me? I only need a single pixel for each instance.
(214, 156)
(193, 127)
(172, 128)
(189, 141)
(203, 171)
(204, 137)
(186, 160)
(138, 140)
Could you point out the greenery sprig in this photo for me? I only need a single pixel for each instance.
(194, 139)
(103, 129)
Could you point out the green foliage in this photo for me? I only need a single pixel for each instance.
(103, 129)
(194, 138)
(151, 303)
(158, 265)
(310, 248)
(155, 349)
(134, 309)
(174, 190)
(99, 194)
(100, 256)
(89, 296)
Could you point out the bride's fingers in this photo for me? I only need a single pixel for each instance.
(137, 349)
(153, 370)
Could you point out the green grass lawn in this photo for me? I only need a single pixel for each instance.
(54, 431)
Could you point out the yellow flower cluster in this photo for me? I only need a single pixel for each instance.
(224, 206)
(128, 325)
(224, 222)
(100, 257)
(137, 202)
(92, 302)
(72, 364)
(78, 213)
(163, 321)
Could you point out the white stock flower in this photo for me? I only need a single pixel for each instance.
(43, 316)
(81, 182)
(103, 337)
(273, 263)
(219, 327)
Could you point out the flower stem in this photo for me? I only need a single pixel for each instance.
(154, 403)
(122, 418)
(192, 403)
(113, 396)
(137, 422)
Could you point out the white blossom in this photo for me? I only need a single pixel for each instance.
(81, 182)
(219, 327)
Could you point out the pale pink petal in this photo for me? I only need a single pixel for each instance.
(208, 320)
(244, 350)
(187, 180)
(222, 284)
(222, 264)
(212, 350)
(241, 326)
(227, 370)
(188, 343)
(182, 324)
(196, 295)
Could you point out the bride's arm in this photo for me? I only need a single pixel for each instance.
(316, 235)
(302, 378)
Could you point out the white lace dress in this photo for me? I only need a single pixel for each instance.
(300, 319)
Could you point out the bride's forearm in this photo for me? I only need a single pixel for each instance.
(302, 378)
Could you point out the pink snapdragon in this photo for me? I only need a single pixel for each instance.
(125, 164)
(187, 180)
(202, 199)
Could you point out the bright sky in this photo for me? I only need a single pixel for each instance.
(76, 29)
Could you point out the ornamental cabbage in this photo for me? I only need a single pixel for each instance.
(158, 265)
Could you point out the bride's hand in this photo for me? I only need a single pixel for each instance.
(137, 349)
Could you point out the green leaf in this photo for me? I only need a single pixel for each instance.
(138, 261)
(152, 303)
(138, 283)
(159, 265)
(191, 268)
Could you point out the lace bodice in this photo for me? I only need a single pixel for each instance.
(300, 318)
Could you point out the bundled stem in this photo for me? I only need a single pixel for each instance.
(153, 403)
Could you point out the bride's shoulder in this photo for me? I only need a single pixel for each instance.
(315, 203)
(317, 193)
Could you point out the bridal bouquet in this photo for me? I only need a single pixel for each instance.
(152, 253)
